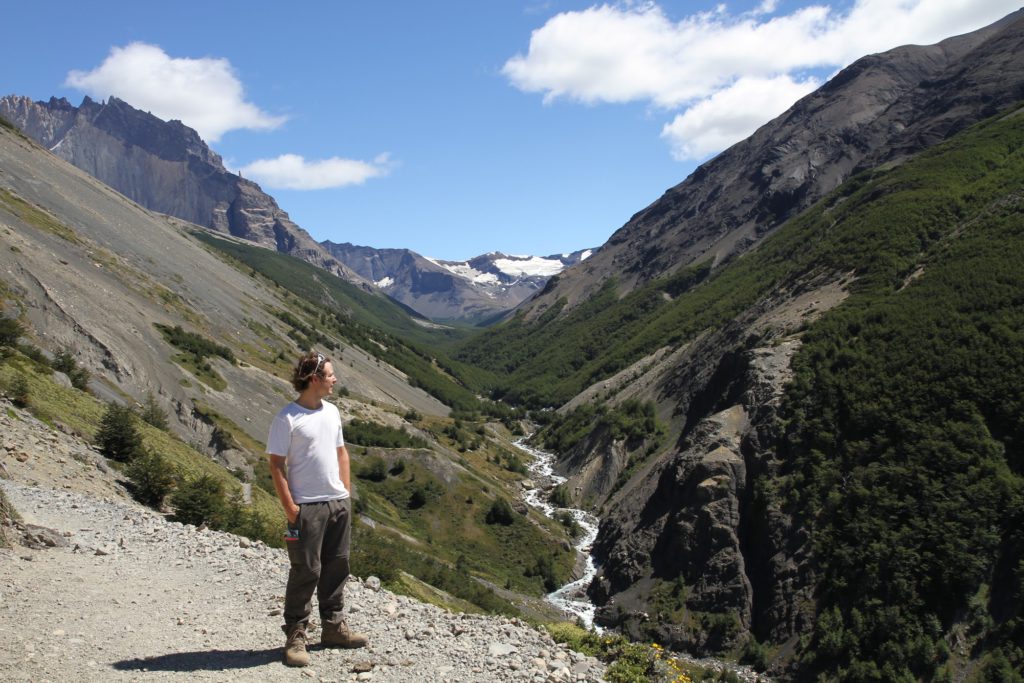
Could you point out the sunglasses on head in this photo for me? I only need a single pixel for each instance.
(320, 358)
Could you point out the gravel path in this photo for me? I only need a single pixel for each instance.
(132, 596)
(115, 592)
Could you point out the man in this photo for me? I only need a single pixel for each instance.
(310, 468)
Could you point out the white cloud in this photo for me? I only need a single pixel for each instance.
(293, 172)
(732, 114)
(635, 52)
(204, 94)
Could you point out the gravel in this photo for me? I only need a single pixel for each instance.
(108, 590)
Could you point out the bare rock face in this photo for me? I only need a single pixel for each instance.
(693, 520)
(166, 167)
(881, 108)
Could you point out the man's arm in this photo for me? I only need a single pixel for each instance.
(279, 475)
(344, 468)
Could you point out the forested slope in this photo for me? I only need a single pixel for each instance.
(873, 520)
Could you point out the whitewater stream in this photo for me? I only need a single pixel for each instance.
(572, 597)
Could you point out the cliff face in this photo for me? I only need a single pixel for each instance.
(882, 108)
(165, 167)
(692, 519)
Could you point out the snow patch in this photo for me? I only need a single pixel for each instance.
(532, 266)
(466, 271)
(385, 282)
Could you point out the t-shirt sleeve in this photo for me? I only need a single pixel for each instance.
(341, 435)
(280, 437)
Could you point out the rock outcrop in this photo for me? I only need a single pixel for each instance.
(691, 519)
(165, 167)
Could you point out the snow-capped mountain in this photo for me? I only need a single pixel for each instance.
(473, 290)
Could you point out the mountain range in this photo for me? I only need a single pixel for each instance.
(478, 290)
(166, 167)
(791, 388)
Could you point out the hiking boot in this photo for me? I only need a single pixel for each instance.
(295, 648)
(339, 635)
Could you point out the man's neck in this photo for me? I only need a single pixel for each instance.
(310, 400)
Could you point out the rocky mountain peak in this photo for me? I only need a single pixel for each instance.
(883, 107)
(166, 167)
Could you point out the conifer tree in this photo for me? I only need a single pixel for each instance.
(117, 437)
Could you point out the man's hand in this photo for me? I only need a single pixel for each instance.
(292, 513)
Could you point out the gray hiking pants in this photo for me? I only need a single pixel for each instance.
(319, 561)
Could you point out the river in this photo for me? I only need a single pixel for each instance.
(572, 597)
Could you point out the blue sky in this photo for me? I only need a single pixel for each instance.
(458, 128)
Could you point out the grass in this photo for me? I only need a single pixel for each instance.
(452, 527)
(201, 370)
(80, 413)
(627, 662)
(36, 217)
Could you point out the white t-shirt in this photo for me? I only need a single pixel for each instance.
(309, 439)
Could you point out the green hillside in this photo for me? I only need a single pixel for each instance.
(374, 323)
(901, 447)
(905, 424)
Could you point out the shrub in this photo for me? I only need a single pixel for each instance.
(628, 662)
(64, 361)
(500, 513)
(20, 391)
(418, 498)
(152, 413)
(152, 478)
(374, 469)
(366, 433)
(755, 654)
(559, 496)
(544, 567)
(8, 514)
(200, 501)
(566, 519)
(10, 331)
(198, 346)
(117, 437)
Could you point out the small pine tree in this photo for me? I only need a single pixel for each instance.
(64, 361)
(152, 478)
(20, 391)
(201, 501)
(117, 437)
(418, 498)
(10, 331)
(500, 513)
(152, 413)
